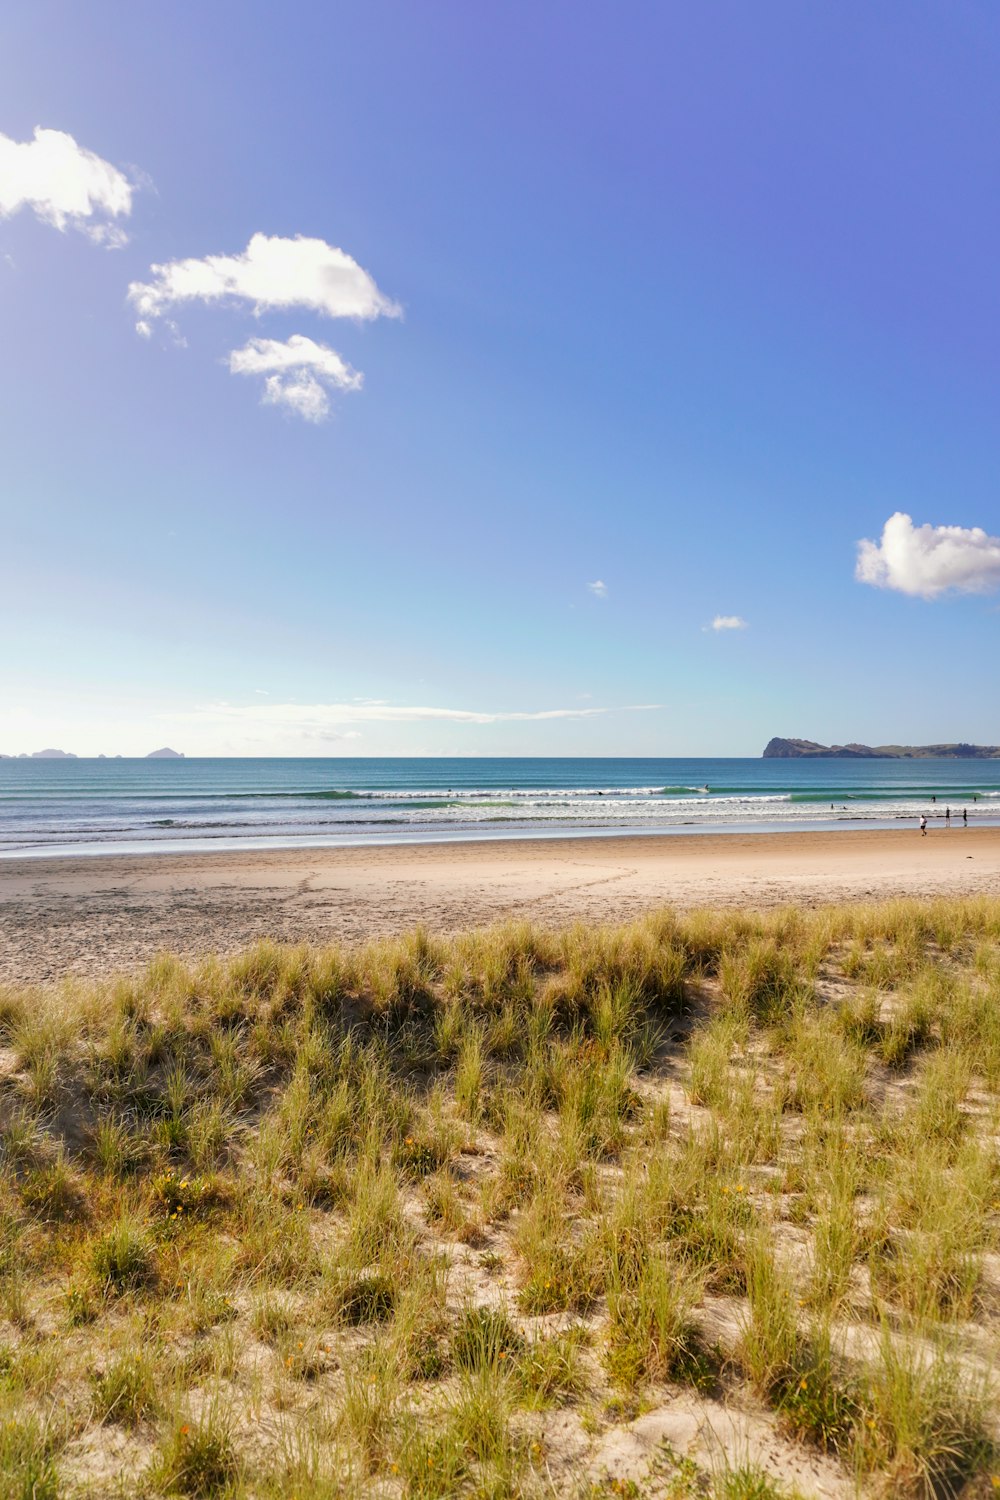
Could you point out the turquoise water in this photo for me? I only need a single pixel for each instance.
(105, 806)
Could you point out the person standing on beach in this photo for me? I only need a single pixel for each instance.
(965, 816)
(947, 814)
(923, 825)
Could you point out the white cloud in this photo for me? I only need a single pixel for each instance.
(262, 355)
(297, 373)
(929, 560)
(306, 717)
(599, 588)
(272, 272)
(728, 622)
(301, 393)
(65, 185)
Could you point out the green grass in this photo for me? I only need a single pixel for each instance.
(27, 1470)
(362, 1299)
(197, 1457)
(484, 1338)
(127, 1391)
(122, 1258)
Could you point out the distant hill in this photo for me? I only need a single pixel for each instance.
(52, 755)
(165, 754)
(778, 749)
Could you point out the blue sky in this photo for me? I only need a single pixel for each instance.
(692, 300)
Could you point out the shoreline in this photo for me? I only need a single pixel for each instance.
(76, 915)
(418, 835)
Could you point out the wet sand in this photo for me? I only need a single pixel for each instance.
(94, 916)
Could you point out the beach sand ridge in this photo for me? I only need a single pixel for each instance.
(98, 915)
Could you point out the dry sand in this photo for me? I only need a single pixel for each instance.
(103, 914)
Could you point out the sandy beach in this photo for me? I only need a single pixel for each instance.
(92, 916)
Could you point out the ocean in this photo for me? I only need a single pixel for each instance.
(141, 806)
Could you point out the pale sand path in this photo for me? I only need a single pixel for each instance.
(98, 915)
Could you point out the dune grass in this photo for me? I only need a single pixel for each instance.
(440, 1216)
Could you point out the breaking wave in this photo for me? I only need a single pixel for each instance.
(119, 805)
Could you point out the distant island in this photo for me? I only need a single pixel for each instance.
(778, 749)
(165, 754)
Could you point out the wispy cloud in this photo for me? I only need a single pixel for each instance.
(272, 272)
(297, 373)
(311, 717)
(927, 561)
(599, 588)
(727, 622)
(65, 185)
